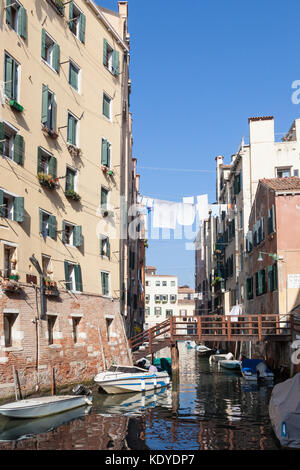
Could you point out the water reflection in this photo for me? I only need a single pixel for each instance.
(210, 408)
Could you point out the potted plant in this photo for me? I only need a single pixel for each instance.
(47, 180)
(71, 194)
(14, 276)
(50, 132)
(15, 105)
(74, 151)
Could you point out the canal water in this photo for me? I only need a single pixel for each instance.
(211, 408)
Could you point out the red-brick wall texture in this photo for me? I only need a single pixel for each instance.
(31, 353)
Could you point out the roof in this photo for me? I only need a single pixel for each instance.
(185, 290)
(150, 267)
(159, 275)
(291, 183)
(260, 118)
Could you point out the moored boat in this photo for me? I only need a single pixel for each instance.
(125, 379)
(203, 350)
(230, 364)
(255, 369)
(220, 357)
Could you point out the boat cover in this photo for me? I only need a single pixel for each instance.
(250, 364)
(284, 411)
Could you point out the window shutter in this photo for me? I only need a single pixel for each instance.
(71, 137)
(78, 278)
(77, 235)
(82, 28)
(104, 152)
(53, 112)
(70, 15)
(2, 211)
(273, 218)
(105, 61)
(18, 149)
(67, 277)
(8, 76)
(41, 220)
(69, 180)
(43, 53)
(52, 226)
(45, 104)
(73, 77)
(56, 57)
(1, 137)
(22, 22)
(115, 62)
(107, 247)
(63, 236)
(19, 209)
(52, 167)
(8, 13)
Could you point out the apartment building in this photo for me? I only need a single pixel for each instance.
(161, 297)
(66, 168)
(221, 240)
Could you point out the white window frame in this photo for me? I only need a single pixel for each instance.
(71, 275)
(69, 224)
(77, 129)
(16, 24)
(75, 177)
(17, 98)
(49, 267)
(11, 206)
(49, 60)
(109, 284)
(108, 197)
(283, 168)
(77, 22)
(14, 132)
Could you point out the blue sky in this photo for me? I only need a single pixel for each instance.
(199, 69)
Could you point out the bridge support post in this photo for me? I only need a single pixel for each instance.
(175, 361)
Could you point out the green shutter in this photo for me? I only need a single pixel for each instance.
(43, 53)
(105, 61)
(8, 12)
(69, 179)
(18, 149)
(115, 63)
(39, 161)
(63, 236)
(106, 106)
(22, 22)
(70, 15)
(67, 278)
(104, 282)
(45, 104)
(19, 209)
(41, 220)
(108, 248)
(104, 158)
(8, 76)
(1, 138)
(82, 28)
(2, 209)
(103, 198)
(56, 57)
(78, 278)
(77, 235)
(53, 112)
(71, 135)
(53, 167)
(52, 224)
(73, 76)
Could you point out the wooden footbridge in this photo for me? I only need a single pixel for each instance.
(215, 328)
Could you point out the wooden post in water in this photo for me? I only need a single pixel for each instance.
(53, 387)
(15, 382)
(175, 361)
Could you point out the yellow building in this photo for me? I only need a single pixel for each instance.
(65, 145)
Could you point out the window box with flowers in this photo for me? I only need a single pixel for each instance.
(50, 132)
(48, 180)
(50, 287)
(75, 152)
(71, 194)
(11, 285)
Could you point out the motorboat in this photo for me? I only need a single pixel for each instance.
(124, 379)
(45, 406)
(230, 364)
(15, 429)
(284, 412)
(203, 350)
(220, 357)
(255, 369)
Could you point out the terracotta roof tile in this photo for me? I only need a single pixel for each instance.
(282, 184)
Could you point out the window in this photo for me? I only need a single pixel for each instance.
(71, 176)
(272, 277)
(104, 198)
(271, 220)
(296, 172)
(169, 313)
(157, 311)
(105, 283)
(157, 298)
(50, 51)
(106, 106)
(9, 321)
(11, 143)
(16, 17)
(71, 234)
(237, 185)
(72, 129)
(104, 246)
(147, 311)
(173, 283)
(9, 260)
(283, 172)
(73, 276)
(147, 283)
(105, 153)
(75, 326)
(77, 22)
(110, 58)
(173, 298)
(11, 206)
(46, 266)
(164, 283)
(74, 72)
(47, 224)
(249, 288)
(157, 283)
(164, 298)
(51, 319)
(260, 282)
(241, 219)
(47, 164)
(147, 298)
(48, 108)
(11, 77)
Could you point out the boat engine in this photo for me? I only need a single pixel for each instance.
(81, 390)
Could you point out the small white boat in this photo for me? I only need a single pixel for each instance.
(124, 379)
(230, 364)
(204, 350)
(220, 357)
(44, 406)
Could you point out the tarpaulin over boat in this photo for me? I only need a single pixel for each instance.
(284, 411)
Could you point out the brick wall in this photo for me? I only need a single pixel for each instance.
(31, 353)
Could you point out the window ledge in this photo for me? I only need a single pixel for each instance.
(79, 345)
(55, 346)
(50, 66)
(13, 349)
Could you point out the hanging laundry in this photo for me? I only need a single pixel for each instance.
(186, 211)
(164, 214)
(223, 208)
(188, 200)
(202, 206)
(214, 209)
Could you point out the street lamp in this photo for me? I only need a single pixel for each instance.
(272, 255)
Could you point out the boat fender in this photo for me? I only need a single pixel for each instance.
(283, 429)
